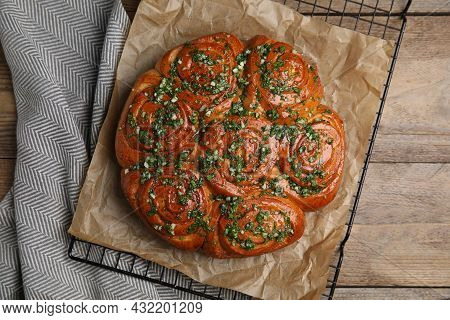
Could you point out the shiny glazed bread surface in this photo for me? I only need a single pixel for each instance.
(224, 146)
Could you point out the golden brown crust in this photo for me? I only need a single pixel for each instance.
(223, 147)
(275, 67)
(200, 67)
(246, 142)
(263, 224)
(314, 160)
(185, 225)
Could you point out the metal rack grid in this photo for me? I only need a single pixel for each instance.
(384, 19)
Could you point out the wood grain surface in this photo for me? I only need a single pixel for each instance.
(418, 6)
(6, 175)
(399, 247)
(381, 293)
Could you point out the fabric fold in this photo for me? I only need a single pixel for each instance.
(63, 57)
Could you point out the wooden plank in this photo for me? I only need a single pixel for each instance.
(415, 125)
(397, 255)
(7, 135)
(5, 76)
(429, 6)
(7, 102)
(7, 128)
(402, 228)
(418, 97)
(412, 148)
(391, 293)
(7, 125)
(6, 175)
(130, 7)
(405, 193)
(7, 112)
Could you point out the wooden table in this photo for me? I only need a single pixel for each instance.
(400, 244)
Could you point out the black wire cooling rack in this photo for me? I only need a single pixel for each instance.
(384, 19)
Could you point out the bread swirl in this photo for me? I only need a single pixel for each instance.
(223, 147)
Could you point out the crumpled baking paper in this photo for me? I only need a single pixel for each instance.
(352, 68)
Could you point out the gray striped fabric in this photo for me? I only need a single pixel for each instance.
(62, 55)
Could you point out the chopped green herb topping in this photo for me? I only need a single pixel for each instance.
(145, 176)
(278, 64)
(242, 57)
(305, 191)
(237, 165)
(229, 207)
(153, 210)
(199, 221)
(170, 228)
(264, 50)
(193, 118)
(168, 116)
(209, 161)
(145, 138)
(272, 114)
(201, 57)
(217, 85)
(311, 134)
(131, 120)
(232, 231)
(237, 108)
(193, 184)
(281, 49)
(264, 151)
(284, 131)
(248, 244)
(230, 125)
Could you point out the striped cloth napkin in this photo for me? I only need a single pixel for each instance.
(62, 56)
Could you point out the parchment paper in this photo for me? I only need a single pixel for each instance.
(352, 67)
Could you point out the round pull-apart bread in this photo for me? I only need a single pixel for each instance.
(223, 147)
